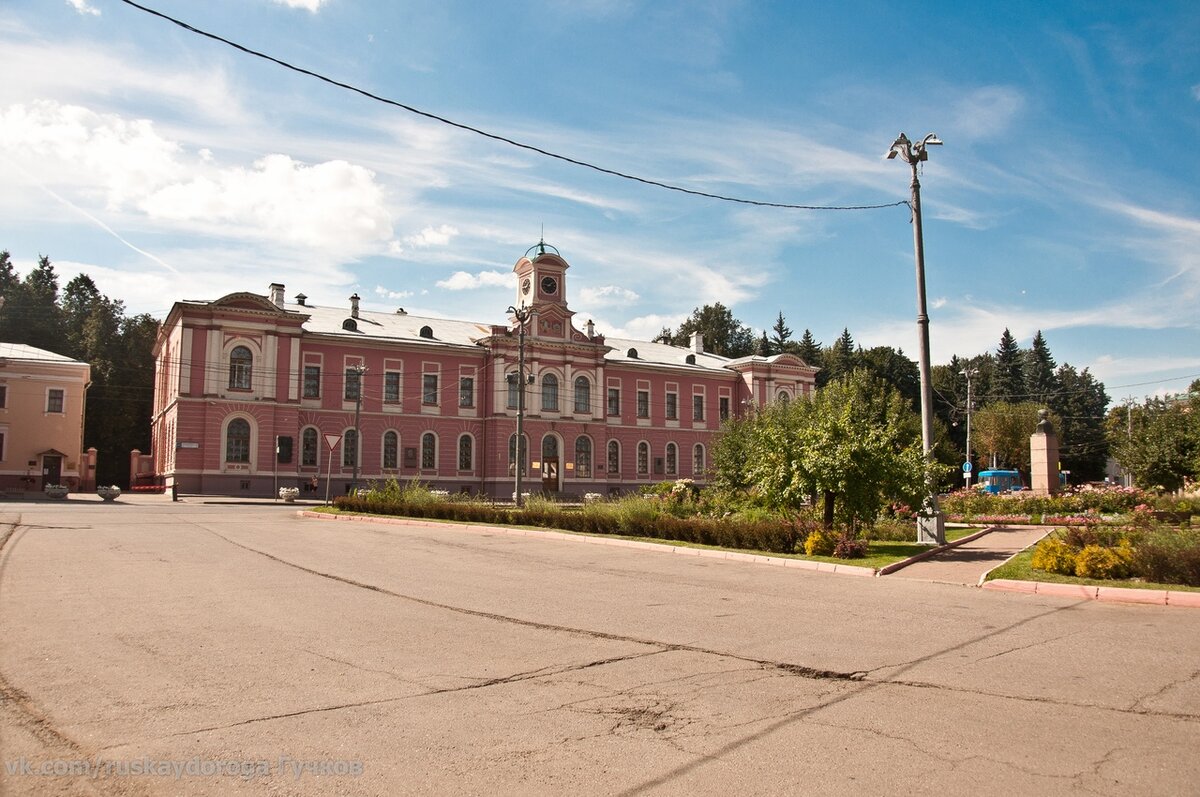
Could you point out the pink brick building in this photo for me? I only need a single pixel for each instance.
(248, 387)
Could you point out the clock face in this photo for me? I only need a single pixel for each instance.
(549, 285)
(525, 286)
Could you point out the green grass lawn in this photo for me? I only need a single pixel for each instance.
(1020, 568)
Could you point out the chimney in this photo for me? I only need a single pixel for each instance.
(591, 329)
(276, 290)
(301, 299)
(698, 342)
(354, 306)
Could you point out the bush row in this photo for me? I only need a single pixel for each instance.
(632, 517)
(1162, 555)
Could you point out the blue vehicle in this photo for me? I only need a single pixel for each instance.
(1000, 481)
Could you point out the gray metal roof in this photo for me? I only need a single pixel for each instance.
(19, 351)
(393, 326)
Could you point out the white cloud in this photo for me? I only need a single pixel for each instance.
(335, 205)
(394, 295)
(328, 204)
(308, 5)
(463, 281)
(988, 112)
(431, 236)
(606, 295)
(644, 327)
(83, 7)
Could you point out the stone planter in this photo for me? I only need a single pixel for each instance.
(109, 493)
(288, 494)
(56, 492)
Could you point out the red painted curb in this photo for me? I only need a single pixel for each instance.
(1186, 599)
(1067, 590)
(1008, 585)
(1126, 595)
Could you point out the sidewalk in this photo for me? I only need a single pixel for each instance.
(967, 563)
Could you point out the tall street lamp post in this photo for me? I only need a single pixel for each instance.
(968, 373)
(931, 525)
(522, 314)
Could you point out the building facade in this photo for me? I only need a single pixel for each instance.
(254, 393)
(42, 397)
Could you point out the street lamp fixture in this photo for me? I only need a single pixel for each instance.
(931, 525)
(522, 314)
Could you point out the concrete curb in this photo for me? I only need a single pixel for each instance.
(983, 579)
(736, 556)
(892, 568)
(1155, 597)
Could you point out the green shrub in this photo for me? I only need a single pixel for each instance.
(1096, 561)
(850, 548)
(1054, 556)
(1168, 556)
(891, 530)
(820, 542)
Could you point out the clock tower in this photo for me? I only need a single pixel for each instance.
(542, 285)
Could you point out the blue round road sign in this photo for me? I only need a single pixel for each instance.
(966, 467)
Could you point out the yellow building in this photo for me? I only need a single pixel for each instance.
(42, 397)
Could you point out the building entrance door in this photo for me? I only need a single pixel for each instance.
(550, 461)
(51, 469)
(550, 475)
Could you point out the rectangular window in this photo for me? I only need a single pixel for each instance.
(308, 448)
(3, 396)
(312, 381)
(54, 400)
(614, 457)
(353, 384)
(349, 448)
(614, 401)
(465, 453)
(283, 448)
(1, 446)
(466, 391)
(429, 389)
(724, 404)
(698, 407)
(391, 387)
(643, 403)
(672, 406)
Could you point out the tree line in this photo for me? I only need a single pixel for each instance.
(1008, 387)
(82, 323)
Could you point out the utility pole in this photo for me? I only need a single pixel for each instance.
(1128, 434)
(522, 314)
(968, 373)
(931, 524)
(359, 372)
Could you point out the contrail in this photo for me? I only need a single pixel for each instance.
(93, 219)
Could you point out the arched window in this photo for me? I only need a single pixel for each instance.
(241, 363)
(549, 393)
(782, 397)
(237, 441)
(549, 447)
(428, 451)
(583, 394)
(512, 454)
(466, 452)
(349, 448)
(672, 456)
(614, 456)
(698, 460)
(391, 450)
(583, 457)
(643, 458)
(308, 447)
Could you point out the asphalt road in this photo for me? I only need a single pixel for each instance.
(198, 648)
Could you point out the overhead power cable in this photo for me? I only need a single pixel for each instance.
(494, 136)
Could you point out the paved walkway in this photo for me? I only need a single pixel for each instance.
(966, 563)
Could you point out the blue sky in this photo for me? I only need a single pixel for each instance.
(169, 166)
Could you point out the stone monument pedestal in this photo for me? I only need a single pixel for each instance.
(1043, 453)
